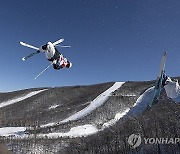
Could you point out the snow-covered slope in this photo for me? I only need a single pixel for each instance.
(141, 105)
(12, 131)
(142, 102)
(94, 104)
(79, 131)
(74, 119)
(16, 100)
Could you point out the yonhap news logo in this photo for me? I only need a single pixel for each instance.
(135, 140)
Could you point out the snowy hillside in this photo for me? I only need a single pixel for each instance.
(74, 119)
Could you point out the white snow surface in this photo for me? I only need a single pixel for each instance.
(9, 102)
(78, 131)
(53, 106)
(117, 117)
(85, 130)
(129, 95)
(101, 99)
(14, 131)
(48, 125)
(173, 90)
(142, 102)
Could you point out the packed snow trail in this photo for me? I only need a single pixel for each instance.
(140, 106)
(78, 131)
(142, 102)
(117, 117)
(9, 102)
(85, 130)
(101, 99)
(12, 131)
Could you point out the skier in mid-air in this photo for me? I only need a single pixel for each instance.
(52, 54)
(56, 57)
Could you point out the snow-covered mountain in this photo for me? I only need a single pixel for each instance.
(87, 119)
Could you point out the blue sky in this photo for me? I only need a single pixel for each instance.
(111, 40)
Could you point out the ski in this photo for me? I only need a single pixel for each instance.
(159, 80)
(58, 42)
(29, 46)
(32, 47)
(32, 54)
